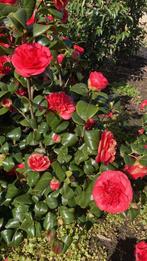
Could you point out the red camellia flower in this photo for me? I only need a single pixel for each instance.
(112, 192)
(107, 148)
(4, 69)
(60, 4)
(6, 103)
(60, 58)
(61, 103)
(141, 251)
(143, 105)
(8, 2)
(97, 81)
(145, 146)
(38, 162)
(31, 59)
(21, 92)
(136, 171)
(54, 184)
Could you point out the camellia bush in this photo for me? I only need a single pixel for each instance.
(59, 161)
(108, 29)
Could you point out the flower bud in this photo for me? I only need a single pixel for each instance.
(54, 184)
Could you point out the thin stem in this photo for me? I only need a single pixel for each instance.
(30, 95)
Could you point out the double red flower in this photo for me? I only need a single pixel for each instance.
(31, 59)
(112, 192)
(61, 103)
(107, 148)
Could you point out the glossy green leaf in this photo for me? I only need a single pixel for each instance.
(29, 7)
(8, 164)
(40, 209)
(3, 111)
(12, 223)
(92, 138)
(28, 226)
(7, 235)
(77, 119)
(62, 126)
(82, 154)
(86, 110)
(1, 222)
(67, 214)
(53, 120)
(80, 88)
(52, 202)
(19, 19)
(17, 238)
(14, 134)
(42, 183)
(69, 139)
(39, 29)
(50, 221)
(60, 173)
(95, 210)
(25, 199)
(63, 155)
(19, 212)
(12, 191)
(32, 178)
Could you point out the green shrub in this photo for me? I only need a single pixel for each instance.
(106, 28)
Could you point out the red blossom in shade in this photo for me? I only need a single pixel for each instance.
(61, 103)
(31, 59)
(56, 138)
(65, 16)
(112, 192)
(60, 58)
(145, 146)
(31, 20)
(108, 115)
(89, 124)
(4, 69)
(97, 81)
(6, 103)
(20, 166)
(106, 148)
(143, 105)
(78, 49)
(136, 171)
(60, 4)
(141, 251)
(21, 92)
(54, 184)
(141, 131)
(38, 162)
(50, 18)
(8, 2)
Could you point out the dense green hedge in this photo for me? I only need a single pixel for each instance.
(106, 28)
